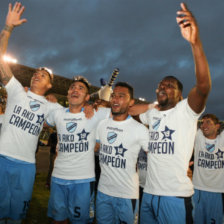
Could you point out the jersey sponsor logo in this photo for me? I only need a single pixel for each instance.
(210, 147)
(115, 129)
(83, 135)
(156, 124)
(72, 119)
(71, 127)
(111, 137)
(34, 105)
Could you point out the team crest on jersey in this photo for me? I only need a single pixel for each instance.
(219, 154)
(71, 127)
(120, 150)
(83, 135)
(111, 137)
(167, 133)
(34, 105)
(210, 147)
(40, 119)
(156, 124)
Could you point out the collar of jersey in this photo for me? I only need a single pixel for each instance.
(67, 110)
(128, 117)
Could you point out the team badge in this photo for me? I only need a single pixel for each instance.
(111, 137)
(120, 150)
(83, 135)
(71, 127)
(156, 124)
(219, 154)
(210, 147)
(167, 133)
(34, 105)
(40, 119)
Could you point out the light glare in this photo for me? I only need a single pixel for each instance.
(9, 59)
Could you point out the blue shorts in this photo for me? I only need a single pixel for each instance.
(16, 186)
(165, 209)
(208, 207)
(114, 210)
(73, 201)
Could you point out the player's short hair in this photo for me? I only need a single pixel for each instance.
(179, 84)
(82, 79)
(49, 72)
(126, 85)
(212, 117)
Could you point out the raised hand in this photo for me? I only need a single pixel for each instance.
(188, 25)
(13, 17)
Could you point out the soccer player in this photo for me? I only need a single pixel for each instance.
(172, 129)
(23, 121)
(72, 183)
(120, 139)
(208, 172)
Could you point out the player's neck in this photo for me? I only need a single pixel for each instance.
(120, 117)
(39, 92)
(166, 107)
(214, 136)
(75, 108)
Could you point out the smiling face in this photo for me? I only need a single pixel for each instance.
(168, 93)
(77, 94)
(209, 128)
(40, 82)
(120, 101)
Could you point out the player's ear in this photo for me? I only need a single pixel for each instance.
(180, 96)
(131, 102)
(49, 85)
(87, 97)
(217, 126)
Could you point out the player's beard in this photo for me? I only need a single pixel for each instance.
(121, 111)
(163, 102)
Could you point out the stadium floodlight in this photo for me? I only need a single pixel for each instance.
(142, 99)
(8, 58)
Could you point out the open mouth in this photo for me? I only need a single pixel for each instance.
(115, 105)
(36, 79)
(74, 95)
(161, 93)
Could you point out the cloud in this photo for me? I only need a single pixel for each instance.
(141, 38)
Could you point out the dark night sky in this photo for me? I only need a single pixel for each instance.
(141, 37)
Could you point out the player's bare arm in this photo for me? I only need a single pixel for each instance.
(137, 109)
(189, 30)
(97, 147)
(13, 19)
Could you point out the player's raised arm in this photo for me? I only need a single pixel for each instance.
(189, 30)
(13, 19)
